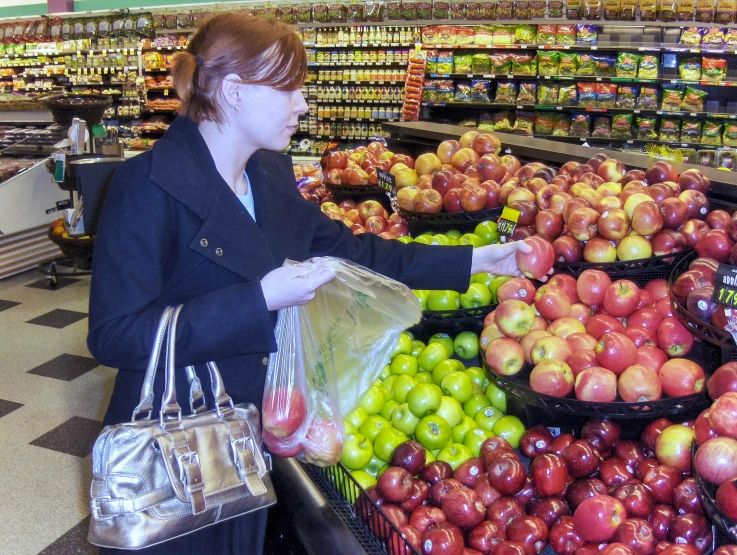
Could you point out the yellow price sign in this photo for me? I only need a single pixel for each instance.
(508, 221)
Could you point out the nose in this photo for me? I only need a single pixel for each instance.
(300, 104)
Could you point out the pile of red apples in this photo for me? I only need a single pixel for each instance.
(599, 494)
(596, 339)
(694, 289)
(367, 216)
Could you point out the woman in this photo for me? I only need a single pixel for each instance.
(206, 219)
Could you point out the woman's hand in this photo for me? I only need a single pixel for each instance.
(499, 259)
(294, 285)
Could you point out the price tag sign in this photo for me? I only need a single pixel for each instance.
(725, 286)
(387, 182)
(508, 222)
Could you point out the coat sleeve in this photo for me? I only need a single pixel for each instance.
(135, 251)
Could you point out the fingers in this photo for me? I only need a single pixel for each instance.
(522, 246)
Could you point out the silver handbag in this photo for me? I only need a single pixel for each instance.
(158, 479)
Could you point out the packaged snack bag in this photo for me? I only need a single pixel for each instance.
(473, 11)
(730, 37)
(441, 10)
(457, 10)
(580, 124)
(524, 64)
(480, 63)
(629, 10)
(586, 34)
(480, 90)
(568, 64)
(445, 90)
(713, 36)
(502, 121)
(711, 133)
(586, 65)
(646, 128)
(546, 33)
(691, 36)
(648, 67)
(685, 10)
(730, 134)
(587, 95)
(505, 9)
(612, 10)
(566, 34)
(602, 127)
(561, 125)
(606, 95)
(547, 95)
(647, 10)
(429, 91)
(445, 62)
(537, 9)
(547, 62)
(689, 68)
(592, 9)
(424, 10)
(693, 100)
(627, 63)
(524, 124)
(522, 9)
(626, 96)
(622, 126)
(555, 8)
(671, 100)
(573, 9)
(463, 92)
(488, 10)
(713, 69)
(501, 63)
(605, 65)
(670, 130)
(525, 34)
(648, 99)
(690, 131)
(527, 92)
(568, 95)
(461, 63)
(725, 11)
(667, 10)
(464, 35)
(483, 36)
(705, 11)
(543, 123)
(505, 92)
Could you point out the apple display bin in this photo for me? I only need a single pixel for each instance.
(465, 222)
(359, 193)
(707, 495)
(451, 322)
(717, 336)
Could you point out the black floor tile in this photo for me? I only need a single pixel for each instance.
(75, 437)
(65, 367)
(58, 318)
(281, 538)
(5, 305)
(6, 407)
(60, 283)
(74, 542)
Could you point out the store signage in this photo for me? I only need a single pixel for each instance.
(725, 286)
(508, 221)
(387, 182)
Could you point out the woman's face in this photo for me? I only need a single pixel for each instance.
(268, 117)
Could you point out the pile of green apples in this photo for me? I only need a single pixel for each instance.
(485, 233)
(425, 395)
(481, 292)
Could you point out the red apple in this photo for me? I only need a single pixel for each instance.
(692, 231)
(485, 536)
(718, 219)
(567, 249)
(463, 158)
(602, 324)
(548, 509)
(505, 356)
(686, 498)
(425, 517)
(694, 179)
(675, 212)
(640, 336)
(716, 460)
(661, 171)
(621, 298)
(552, 377)
(428, 201)
(581, 460)
(463, 507)
(698, 204)
(661, 518)
(538, 262)
(726, 499)
(440, 489)
(667, 241)
(579, 341)
(661, 480)
(714, 244)
(552, 302)
(596, 385)
(687, 282)
(638, 534)
(549, 474)
(702, 429)
(603, 434)
(692, 530)
(674, 338)
(473, 197)
(446, 150)
(639, 383)
(723, 380)
(616, 352)
(530, 531)
(597, 518)
(591, 286)
(647, 218)
(284, 411)
(506, 475)
(444, 538)
(681, 377)
(435, 471)
(580, 360)
(673, 447)
(582, 223)
(651, 357)
(722, 415)
(636, 498)
(516, 288)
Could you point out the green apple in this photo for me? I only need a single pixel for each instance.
(387, 441)
(431, 355)
(424, 239)
(497, 397)
(475, 403)
(373, 426)
(373, 401)
(471, 239)
(475, 438)
(374, 465)
(382, 470)
(357, 417)
(458, 431)
(386, 371)
(423, 377)
(403, 419)
(457, 385)
(445, 367)
(404, 345)
(453, 234)
(433, 432)
(453, 242)
(478, 377)
(405, 239)
(484, 278)
(443, 338)
(454, 454)
(349, 428)
(409, 334)
(388, 383)
(494, 284)
(417, 347)
(487, 417)
(364, 479)
(476, 295)
(424, 399)
(488, 232)
(443, 299)
(510, 428)
(466, 343)
(401, 387)
(404, 364)
(421, 295)
(429, 457)
(389, 406)
(441, 240)
(451, 410)
(357, 451)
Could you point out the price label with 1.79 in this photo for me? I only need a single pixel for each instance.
(508, 222)
(725, 286)
(387, 182)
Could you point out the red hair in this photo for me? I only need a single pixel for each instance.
(259, 51)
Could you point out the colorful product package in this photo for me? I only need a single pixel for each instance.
(548, 62)
(730, 37)
(486, 122)
(725, 11)
(713, 36)
(627, 63)
(705, 11)
(524, 124)
(522, 9)
(537, 9)
(429, 91)
(667, 10)
(463, 92)
(711, 133)
(457, 10)
(602, 127)
(685, 10)
(488, 10)
(464, 35)
(693, 100)
(424, 10)
(566, 35)
(606, 95)
(612, 10)
(690, 131)
(505, 92)
(568, 64)
(580, 125)
(691, 36)
(561, 125)
(730, 134)
(503, 121)
(431, 63)
(626, 96)
(671, 100)
(568, 95)
(689, 68)
(670, 130)
(646, 128)
(440, 10)
(555, 8)
(504, 9)
(483, 36)
(525, 34)
(473, 11)
(586, 66)
(586, 34)
(445, 62)
(592, 9)
(573, 9)
(622, 126)
(648, 67)
(501, 63)
(713, 69)
(524, 64)
(445, 90)
(648, 99)
(527, 92)
(462, 63)
(628, 11)
(605, 65)
(502, 34)
(587, 95)
(543, 123)
(480, 90)
(546, 33)
(480, 63)
(547, 95)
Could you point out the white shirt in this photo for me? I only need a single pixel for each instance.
(247, 199)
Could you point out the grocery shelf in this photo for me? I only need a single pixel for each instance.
(368, 120)
(355, 101)
(593, 47)
(629, 140)
(351, 82)
(361, 45)
(355, 64)
(596, 78)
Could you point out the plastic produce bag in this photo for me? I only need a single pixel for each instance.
(331, 350)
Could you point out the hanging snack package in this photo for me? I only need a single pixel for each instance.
(424, 10)
(648, 67)
(463, 92)
(457, 10)
(525, 34)
(648, 10)
(480, 63)
(501, 63)
(730, 134)
(725, 11)
(524, 64)
(693, 100)
(555, 8)
(713, 69)
(480, 90)
(547, 62)
(522, 9)
(626, 96)
(612, 10)
(445, 90)
(685, 10)
(527, 92)
(524, 124)
(671, 100)
(629, 10)
(606, 95)
(568, 95)
(561, 125)
(487, 9)
(622, 126)
(627, 63)
(473, 10)
(502, 121)
(586, 66)
(689, 68)
(667, 10)
(691, 36)
(670, 130)
(587, 94)
(445, 62)
(586, 34)
(483, 36)
(573, 9)
(546, 33)
(730, 37)
(505, 92)
(373, 10)
(705, 11)
(711, 133)
(592, 9)
(461, 63)
(602, 127)
(394, 10)
(713, 36)
(580, 125)
(605, 65)
(565, 35)
(690, 131)
(440, 10)
(646, 128)
(504, 9)
(547, 95)
(543, 123)
(568, 64)
(537, 9)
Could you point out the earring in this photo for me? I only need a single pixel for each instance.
(237, 107)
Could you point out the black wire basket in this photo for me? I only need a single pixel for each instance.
(73, 248)
(365, 519)
(89, 107)
(700, 329)
(638, 271)
(465, 222)
(451, 322)
(354, 190)
(707, 495)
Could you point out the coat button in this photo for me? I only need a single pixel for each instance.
(203, 242)
(266, 361)
(219, 251)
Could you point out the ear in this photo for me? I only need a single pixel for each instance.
(231, 89)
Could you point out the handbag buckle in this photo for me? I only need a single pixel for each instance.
(96, 508)
(244, 456)
(191, 477)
